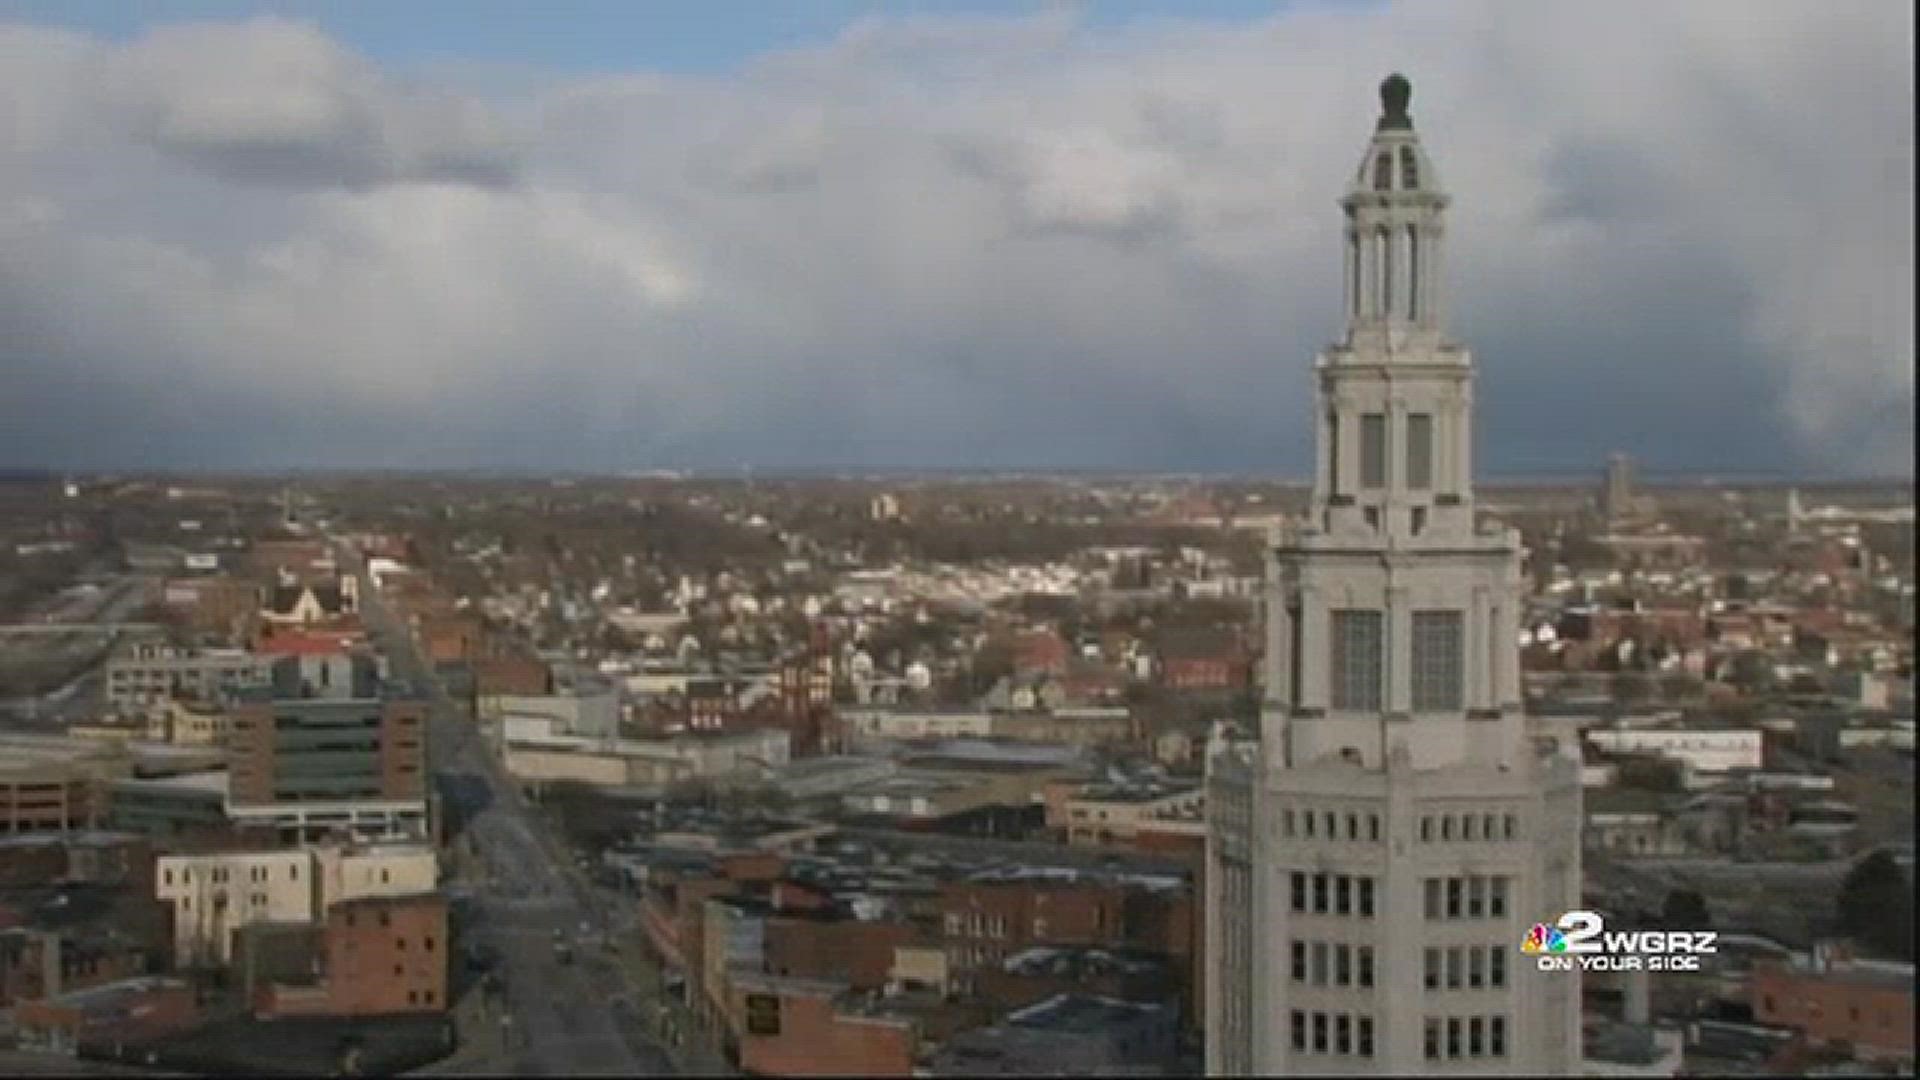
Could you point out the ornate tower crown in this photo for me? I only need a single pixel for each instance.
(1395, 393)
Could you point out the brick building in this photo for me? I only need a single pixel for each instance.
(381, 956)
(804, 1027)
(128, 1012)
(1832, 998)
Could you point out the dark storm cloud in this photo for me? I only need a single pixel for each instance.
(954, 241)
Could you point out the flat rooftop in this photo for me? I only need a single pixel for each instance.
(1083, 1014)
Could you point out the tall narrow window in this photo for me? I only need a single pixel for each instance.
(1382, 173)
(1355, 272)
(1384, 240)
(1293, 655)
(1439, 656)
(1333, 453)
(1409, 169)
(1419, 451)
(1359, 659)
(1413, 273)
(1373, 450)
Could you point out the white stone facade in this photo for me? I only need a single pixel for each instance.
(1376, 857)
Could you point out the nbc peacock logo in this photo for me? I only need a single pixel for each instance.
(1543, 939)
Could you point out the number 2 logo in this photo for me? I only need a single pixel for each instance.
(1581, 929)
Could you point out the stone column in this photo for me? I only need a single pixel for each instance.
(1313, 649)
(1399, 651)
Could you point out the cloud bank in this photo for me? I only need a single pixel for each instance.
(1684, 230)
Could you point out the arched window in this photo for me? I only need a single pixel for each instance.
(1409, 169)
(1383, 172)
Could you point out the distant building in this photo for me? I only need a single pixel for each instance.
(350, 754)
(1616, 488)
(147, 674)
(1833, 998)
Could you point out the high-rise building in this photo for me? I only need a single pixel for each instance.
(1376, 857)
(330, 747)
(1616, 488)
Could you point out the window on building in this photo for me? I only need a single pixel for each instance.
(1373, 450)
(1364, 899)
(1476, 896)
(1383, 172)
(1343, 965)
(1342, 895)
(1389, 271)
(1497, 1036)
(1454, 897)
(1353, 826)
(1409, 169)
(1319, 1033)
(1299, 889)
(1497, 966)
(1419, 451)
(1446, 827)
(1333, 429)
(1286, 824)
(1342, 1034)
(1319, 953)
(1432, 1039)
(1497, 897)
(1476, 1038)
(1439, 660)
(1299, 951)
(1453, 1036)
(1359, 659)
(1507, 827)
(1320, 894)
(1431, 893)
(1297, 1020)
(1332, 823)
(1456, 967)
(1373, 828)
(1432, 972)
(1363, 1041)
(1476, 967)
(1426, 830)
(1364, 961)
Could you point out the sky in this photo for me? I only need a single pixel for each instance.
(604, 235)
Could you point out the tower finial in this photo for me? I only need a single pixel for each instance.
(1395, 93)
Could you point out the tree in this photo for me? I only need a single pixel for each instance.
(1685, 909)
(1875, 906)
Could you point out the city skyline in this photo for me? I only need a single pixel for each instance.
(963, 236)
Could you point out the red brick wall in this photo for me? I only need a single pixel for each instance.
(403, 754)
(814, 1041)
(511, 675)
(859, 952)
(387, 955)
(1034, 913)
(1830, 1009)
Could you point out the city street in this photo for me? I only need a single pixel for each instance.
(560, 1019)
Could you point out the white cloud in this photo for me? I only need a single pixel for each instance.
(967, 240)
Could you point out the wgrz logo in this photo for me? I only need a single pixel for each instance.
(1580, 939)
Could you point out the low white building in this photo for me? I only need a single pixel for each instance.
(215, 895)
(1714, 751)
(918, 724)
